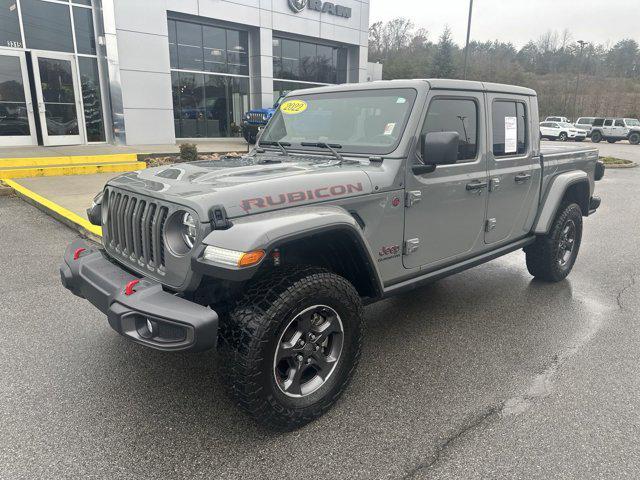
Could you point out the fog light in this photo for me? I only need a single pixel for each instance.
(151, 326)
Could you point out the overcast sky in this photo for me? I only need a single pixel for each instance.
(518, 21)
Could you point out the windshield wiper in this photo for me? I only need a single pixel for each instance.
(331, 148)
(280, 145)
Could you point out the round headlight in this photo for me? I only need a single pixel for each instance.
(189, 231)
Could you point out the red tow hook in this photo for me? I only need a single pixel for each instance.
(128, 290)
(76, 254)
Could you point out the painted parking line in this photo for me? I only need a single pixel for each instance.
(68, 217)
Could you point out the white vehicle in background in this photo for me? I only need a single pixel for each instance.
(585, 123)
(562, 131)
(615, 129)
(557, 119)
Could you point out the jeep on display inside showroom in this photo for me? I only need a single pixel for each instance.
(353, 193)
(615, 129)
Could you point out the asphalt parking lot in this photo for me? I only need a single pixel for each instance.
(487, 374)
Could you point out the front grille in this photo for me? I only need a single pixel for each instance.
(255, 117)
(135, 228)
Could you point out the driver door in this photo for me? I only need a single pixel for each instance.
(445, 209)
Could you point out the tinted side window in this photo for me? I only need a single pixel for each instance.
(619, 123)
(509, 120)
(608, 123)
(598, 122)
(455, 115)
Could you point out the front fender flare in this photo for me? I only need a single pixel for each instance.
(554, 196)
(268, 230)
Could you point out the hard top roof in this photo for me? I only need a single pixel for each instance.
(433, 83)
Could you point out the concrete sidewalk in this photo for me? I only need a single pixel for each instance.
(222, 145)
(74, 193)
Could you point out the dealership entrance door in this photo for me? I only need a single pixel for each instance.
(50, 110)
(17, 123)
(58, 98)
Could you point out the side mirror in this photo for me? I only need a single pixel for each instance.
(440, 148)
(437, 148)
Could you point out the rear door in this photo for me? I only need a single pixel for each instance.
(607, 129)
(620, 130)
(445, 211)
(514, 168)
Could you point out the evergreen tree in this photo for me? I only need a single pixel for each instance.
(443, 61)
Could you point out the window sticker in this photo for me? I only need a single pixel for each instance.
(388, 129)
(293, 107)
(401, 100)
(510, 134)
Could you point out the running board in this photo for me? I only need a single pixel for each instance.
(435, 275)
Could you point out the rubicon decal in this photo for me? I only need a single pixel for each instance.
(322, 193)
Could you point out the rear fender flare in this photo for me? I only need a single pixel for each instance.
(553, 198)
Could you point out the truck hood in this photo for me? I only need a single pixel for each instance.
(249, 184)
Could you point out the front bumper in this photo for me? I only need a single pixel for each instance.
(177, 324)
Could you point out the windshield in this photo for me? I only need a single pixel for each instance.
(632, 122)
(364, 121)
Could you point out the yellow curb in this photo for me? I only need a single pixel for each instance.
(70, 170)
(56, 209)
(67, 160)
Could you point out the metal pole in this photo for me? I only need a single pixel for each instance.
(466, 48)
(575, 94)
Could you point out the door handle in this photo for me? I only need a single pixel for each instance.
(475, 186)
(522, 177)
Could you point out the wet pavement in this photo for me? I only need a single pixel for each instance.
(486, 374)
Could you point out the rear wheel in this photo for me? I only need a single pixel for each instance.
(291, 345)
(634, 138)
(552, 256)
(596, 137)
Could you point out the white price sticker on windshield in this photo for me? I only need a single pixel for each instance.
(510, 134)
(388, 129)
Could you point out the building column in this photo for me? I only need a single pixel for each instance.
(261, 67)
(357, 64)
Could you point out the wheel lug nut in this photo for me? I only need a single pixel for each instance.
(301, 343)
(308, 361)
(317, 348)
(299, 358)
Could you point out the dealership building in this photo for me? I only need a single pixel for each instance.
(142, 72)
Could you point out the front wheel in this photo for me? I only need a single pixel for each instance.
(291, 345)
(562, 137)
(552, 256)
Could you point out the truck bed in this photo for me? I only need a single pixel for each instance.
(563, 149)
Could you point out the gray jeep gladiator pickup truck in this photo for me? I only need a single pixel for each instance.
(352, 194)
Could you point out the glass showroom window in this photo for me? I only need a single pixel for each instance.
(10, 34)
(308, 62)
(281, 87)
(210, 79)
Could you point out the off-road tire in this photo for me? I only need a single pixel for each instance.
(250, 335)
(634, 138)
(542, 256)
(596, 137)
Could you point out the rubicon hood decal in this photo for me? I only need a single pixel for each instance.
(282, 199)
